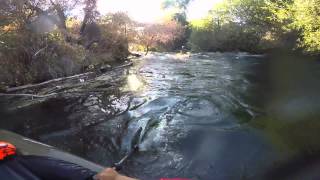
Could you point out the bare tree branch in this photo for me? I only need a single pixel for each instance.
(39, 51)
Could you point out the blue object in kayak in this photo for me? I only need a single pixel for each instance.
(42, 168)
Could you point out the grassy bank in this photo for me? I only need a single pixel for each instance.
(38, 43)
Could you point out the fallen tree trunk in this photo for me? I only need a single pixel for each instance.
(55, 94)
(14, 89)
(28, 95)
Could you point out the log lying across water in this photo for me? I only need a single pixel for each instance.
(56, 90)
(28, 86)
(55, 94)
(28, 95)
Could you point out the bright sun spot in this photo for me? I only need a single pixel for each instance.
(150, 10)
(134, 83)
(199, 8)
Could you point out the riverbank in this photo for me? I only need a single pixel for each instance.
(95, 67)
(34, 90)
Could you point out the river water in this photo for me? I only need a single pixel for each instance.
(204, 116)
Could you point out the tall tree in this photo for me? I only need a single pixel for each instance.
(180, 6)
(180, 15)
(160, 36)
(90, 13)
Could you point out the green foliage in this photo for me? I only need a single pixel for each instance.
(233, 25)
(307, 20)
(259, 25)
(209, 35)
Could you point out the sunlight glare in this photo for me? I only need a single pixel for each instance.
(134, 83)
(148, 11)
(199, 8)
(140, 10)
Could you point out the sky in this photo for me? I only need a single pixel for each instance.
(150, 10)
